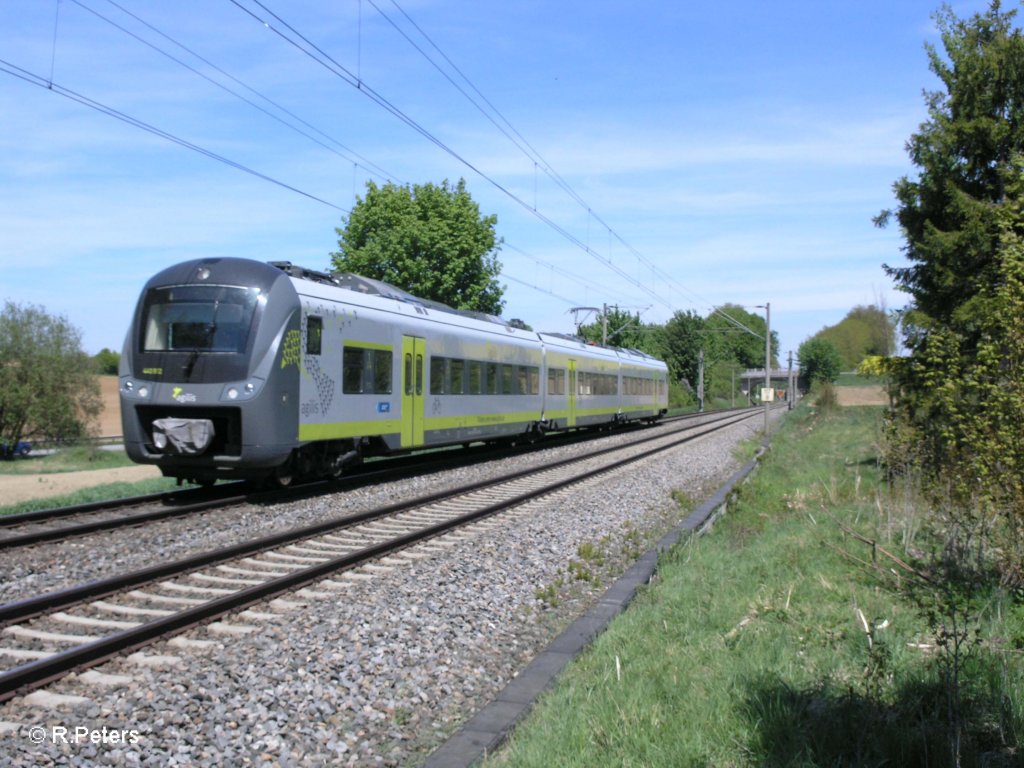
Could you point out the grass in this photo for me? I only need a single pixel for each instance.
(773, 642)
(70, 459)
(76, 459)
(104, 492)
(851, 379)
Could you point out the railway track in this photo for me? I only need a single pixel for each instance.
(51, 525)
(46, 637)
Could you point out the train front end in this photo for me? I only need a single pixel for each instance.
(206, 393)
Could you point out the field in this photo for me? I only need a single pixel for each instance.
(110, 416)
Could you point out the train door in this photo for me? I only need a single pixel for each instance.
(571, 421)
(413, 362)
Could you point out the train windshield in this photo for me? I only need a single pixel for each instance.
(198, 318)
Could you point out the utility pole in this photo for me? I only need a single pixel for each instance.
(767, 360)
(789, 382)
(700, 381)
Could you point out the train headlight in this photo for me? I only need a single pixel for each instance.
(133, 390)
(245, 391)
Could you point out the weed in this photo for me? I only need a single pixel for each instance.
(590, 553)
(684, 500)
(581, 572)
(826, 398)
(548, 594)
(632, 543)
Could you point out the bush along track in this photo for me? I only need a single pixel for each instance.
(809, 627)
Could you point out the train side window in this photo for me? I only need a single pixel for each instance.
(522, 380)
(492, 378)
(437, 375)
(507, 378)
(314, 334)
(382, 371)
(408, 373)
(419, 374)
(532, 380)
(353, 363)
(556, 381)
(456, 383)
(476, 377)
(366, 371)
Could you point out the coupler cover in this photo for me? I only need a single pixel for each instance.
(184, 436)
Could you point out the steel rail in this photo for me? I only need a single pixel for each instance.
(25, 609)
(38, 673)
(222, 496)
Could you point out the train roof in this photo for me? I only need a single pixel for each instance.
(582, 342)
(372, 287)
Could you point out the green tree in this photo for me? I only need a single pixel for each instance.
(624, 329)
(864, 331)
(684, 341)
(958, 398)
(948, 214)
(820, 360)
(733, 342)
(426, 239)
(106, 362)
(47, 387)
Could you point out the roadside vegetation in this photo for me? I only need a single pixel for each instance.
(811, 626)
(66, 459)
(104, 492)
(78, 459)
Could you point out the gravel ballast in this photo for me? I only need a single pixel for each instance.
(379, 668)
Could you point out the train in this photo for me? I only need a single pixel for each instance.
(239, 369)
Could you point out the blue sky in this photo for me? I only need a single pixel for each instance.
(716, 153)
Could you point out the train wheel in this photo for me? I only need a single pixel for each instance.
(283, 475)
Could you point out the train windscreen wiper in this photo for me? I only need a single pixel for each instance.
(204, 342)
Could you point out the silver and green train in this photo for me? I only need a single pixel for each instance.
(239, 369)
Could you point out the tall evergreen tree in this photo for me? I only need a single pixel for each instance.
(959, 411)
(975, 126)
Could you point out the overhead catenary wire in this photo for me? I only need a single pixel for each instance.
(41, 82)
(526, 284)
(494, 116)
(359, 161)
(337, 69)
(342, 150)
(314, 52)
(355, 80)
(48, 83)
